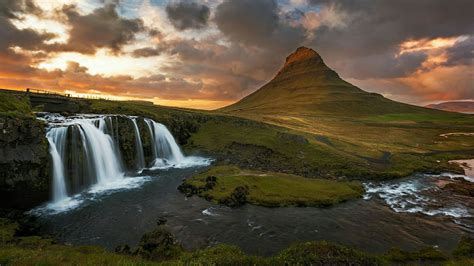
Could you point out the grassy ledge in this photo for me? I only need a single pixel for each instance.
(14, 105)
(233, 186)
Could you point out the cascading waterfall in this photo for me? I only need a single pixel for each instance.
(138, 146)
(165, 148)
(56, 138)
(85, 153)
(101, 152)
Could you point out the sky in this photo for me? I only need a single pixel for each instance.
(211, 53)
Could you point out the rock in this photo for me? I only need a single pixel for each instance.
(123, 250)
(460, 187)
(187, 189)
(158, 245)
(292, 138)
(237, 198)
(210, 182)
(161, 221)
(24, 163)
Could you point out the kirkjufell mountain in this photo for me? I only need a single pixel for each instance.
(305, 85)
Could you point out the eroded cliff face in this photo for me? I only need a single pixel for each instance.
(24, 163)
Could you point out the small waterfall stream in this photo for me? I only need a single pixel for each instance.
(166, 150)
(56, 138)
(138, 146)
(86, 154)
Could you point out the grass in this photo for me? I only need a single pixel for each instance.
(14, 105)
(34, 250)
(417, 117)
(274, 189)
(374, 146)
(315, 143)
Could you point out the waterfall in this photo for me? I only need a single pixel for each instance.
(165, 149)
(101, 152)
(86, 155)
(138, 146)
(57, 139)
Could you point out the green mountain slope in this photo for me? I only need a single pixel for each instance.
(307, 86)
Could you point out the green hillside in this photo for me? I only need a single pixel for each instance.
(307, 86)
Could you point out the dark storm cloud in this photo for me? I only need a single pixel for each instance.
(462, 53)
(383, 65)
(374, 30)
(103, 28)
(377, 26)
(256, 23)
(187, 15)
(11, 36)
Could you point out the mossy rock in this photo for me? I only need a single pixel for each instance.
(159, 245)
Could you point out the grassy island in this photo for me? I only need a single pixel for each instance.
(233, 186)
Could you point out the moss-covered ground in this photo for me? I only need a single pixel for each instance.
(315, 144)
(222, 184)
(14, 105)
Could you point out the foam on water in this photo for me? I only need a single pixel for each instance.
(186, 162)
(210, 212)
(408, 196)
(94, 193)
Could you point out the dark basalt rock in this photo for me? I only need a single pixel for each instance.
(210, 182)
(461, 187)
(237, 198)
(286, 137)
(190, 190)
(161, 221)
(123, 250)
(158, 245)
(24, 163)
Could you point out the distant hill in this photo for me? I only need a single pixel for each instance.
(454, 106)
(305, 85)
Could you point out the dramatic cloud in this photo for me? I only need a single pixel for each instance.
(10, 35)
(187, 15)
(211, 53)
(461, 53)
(256, 23)
(103, 28)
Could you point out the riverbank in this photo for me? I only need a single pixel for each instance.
(159, 247)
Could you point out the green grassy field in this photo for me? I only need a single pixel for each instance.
(373, 135)
(320, 146)
(273, 189)
(316, 145)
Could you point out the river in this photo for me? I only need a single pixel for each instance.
(123, 217)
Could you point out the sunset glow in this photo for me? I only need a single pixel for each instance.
(142, 50)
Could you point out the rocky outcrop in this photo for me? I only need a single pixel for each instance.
(158, 245)
(24, 163)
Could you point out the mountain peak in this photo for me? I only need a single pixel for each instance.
(301, 54)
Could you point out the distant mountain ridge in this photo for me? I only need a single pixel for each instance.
(455, 106)
(305, 85)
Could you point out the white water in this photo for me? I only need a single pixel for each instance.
(138, 146)
(165, 147)
(57, 136)
(92, 152)
(408, 196)
(167, 152)
(101, 153)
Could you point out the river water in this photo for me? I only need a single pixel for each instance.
(370, 224)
